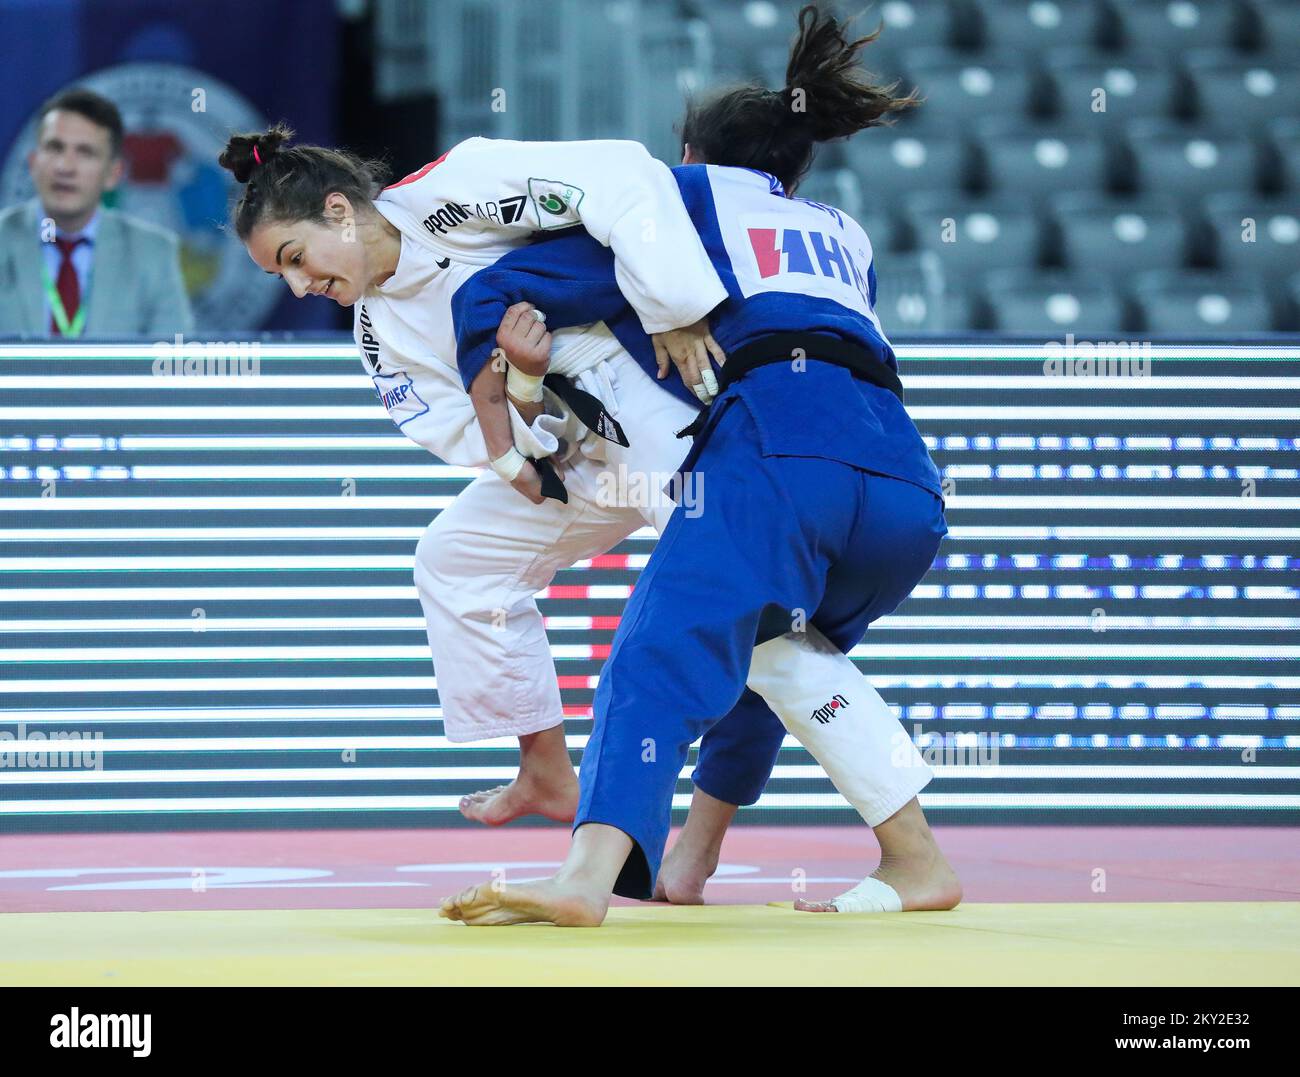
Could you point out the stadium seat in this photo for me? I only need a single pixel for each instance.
(1037, 163)
(1090, 90)
(1116, 237)
(1034, 25)
(911, 296)
(1277, 23)
(750, 39)
(887, 231)
(739, 31)
(971, 237)
(1290, 309)
(1283, 172)
(910, 312)
(910, 24)
(890, 163)
(1268, 243)
(1232, 93)
(771, 62)
(836, 187)
(960, 89)
(1174, 26)
(1050, 304)
(1188, 164)
(1195, 304)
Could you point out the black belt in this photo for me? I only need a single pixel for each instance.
(793, 347)
(552, 484)
(591, 413)
(589, 410)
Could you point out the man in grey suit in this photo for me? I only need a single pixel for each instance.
(70, 267)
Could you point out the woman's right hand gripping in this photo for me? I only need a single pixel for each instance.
(523, 337)
(525, 343)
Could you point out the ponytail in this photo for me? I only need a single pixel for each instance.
(822, 64)
(825, 97)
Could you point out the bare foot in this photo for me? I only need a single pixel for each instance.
(546, 902)
(555, 797)
(923, 884)
(683, 874)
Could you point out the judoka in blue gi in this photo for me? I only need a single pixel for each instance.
(821, 509)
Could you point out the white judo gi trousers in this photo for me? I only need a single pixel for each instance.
(483, 560)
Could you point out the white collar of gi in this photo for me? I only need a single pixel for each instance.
(394, 216)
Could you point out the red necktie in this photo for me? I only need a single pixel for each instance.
(68, 284)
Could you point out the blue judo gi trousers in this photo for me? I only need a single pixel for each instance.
(778, 536)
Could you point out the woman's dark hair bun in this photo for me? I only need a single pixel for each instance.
(238, 155)
(284, 182)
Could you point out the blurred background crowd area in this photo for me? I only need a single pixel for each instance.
(1079, 166)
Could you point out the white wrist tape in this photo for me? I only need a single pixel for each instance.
(526, 387)
(509, 464)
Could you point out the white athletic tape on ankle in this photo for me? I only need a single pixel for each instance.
(526, 387)
(509, 464)
(870, 895)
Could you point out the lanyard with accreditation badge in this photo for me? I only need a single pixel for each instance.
(66, 328)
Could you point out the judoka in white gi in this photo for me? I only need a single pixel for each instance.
(402, 259)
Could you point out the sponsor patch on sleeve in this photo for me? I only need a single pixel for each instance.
(398, 395)
(555, 203)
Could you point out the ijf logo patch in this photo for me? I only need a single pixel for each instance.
(555, 203)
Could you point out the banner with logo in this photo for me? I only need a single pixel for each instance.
(184, 77)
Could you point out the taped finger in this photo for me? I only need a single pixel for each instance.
(709, 378)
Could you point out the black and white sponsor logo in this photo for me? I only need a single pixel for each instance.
(501, 211)
(444, 220)
(369, 342)
(454, 214)
(826, 712)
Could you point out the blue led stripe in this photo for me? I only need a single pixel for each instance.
(1002, 712)
(1106, 443)
(1088, 592)
(963, 562)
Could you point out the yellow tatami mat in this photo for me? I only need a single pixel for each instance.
(1177, 944)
